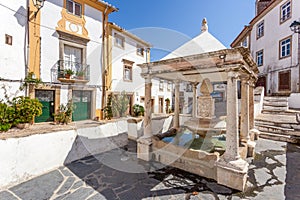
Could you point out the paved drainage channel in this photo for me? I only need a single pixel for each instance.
(273, 174)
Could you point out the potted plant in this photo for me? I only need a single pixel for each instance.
(80, 75)
(68, 73)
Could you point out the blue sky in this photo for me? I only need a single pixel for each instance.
(154, 19)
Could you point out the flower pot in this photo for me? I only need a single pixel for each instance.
(67, 76)
(23, 125)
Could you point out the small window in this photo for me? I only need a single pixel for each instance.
(74, 8)
(8, 39)
(260, 30)
(285, 47)
(127, 73)
(169, 87)
(260, 58)
(119, 40)
(285, 11)
(140, 51)
(245, 42)
(189, 87)
(284, 81)
(161, 85)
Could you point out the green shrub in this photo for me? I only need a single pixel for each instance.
(108, 114)
(64, 113)
(138, 110)
(120, 104)
(6, 116)
(25, 109)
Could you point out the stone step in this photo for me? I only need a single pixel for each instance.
(276, 99)
(278, 130)
(278, 137)
(276, 103)
(279, 112)
(279, 125)
(273, 108)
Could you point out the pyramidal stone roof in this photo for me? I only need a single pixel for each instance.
(203, 43)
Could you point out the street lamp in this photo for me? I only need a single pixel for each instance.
(295, 27)
(38, 4)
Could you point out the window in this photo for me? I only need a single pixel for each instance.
(285, 11)
(140, 51)
(260, 58)
(189, 87)
(284, 80)
(8, 39)
(260, 30)
(245, 42)
(169, 87)
(127, 74)
(285, 47)
(161, 85)
(119, 40)
(73, 8)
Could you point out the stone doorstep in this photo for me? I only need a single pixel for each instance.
(273, 108)
(279, 137)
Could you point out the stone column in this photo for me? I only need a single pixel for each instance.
(254, 133)
(251, 104)
(148, 107)
(194, 113)
(232, 142)
(231, 169)
(144, 143)
(176, 111)
(244, 132)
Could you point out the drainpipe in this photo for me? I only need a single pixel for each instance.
(26, 45)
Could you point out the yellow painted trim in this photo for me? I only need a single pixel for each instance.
(74, 20)
(34, 40)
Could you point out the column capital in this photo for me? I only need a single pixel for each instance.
(233, 74)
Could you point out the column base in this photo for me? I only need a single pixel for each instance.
(254, 134)
(144, 148)
(233, 173)
(251, 148)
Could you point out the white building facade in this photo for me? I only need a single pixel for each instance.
(13, 47)
(273, 45)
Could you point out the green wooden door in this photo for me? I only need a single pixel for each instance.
(46, 97)
(82, 105)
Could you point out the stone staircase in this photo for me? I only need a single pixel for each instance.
(277, 122)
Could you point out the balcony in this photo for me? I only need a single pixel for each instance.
(72, 72)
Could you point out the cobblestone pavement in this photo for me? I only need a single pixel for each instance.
(274, 174)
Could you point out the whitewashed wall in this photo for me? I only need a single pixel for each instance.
(13, 57)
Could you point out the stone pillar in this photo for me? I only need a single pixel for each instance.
(176, 111)
(144, 143)
(148, 107)
(254, 133)
(194, 113)
(231, 169)
(251, 104)
(244, 132)
(232, 142)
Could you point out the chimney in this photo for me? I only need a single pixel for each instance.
(261, 5)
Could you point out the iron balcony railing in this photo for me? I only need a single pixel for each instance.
(72, 70)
